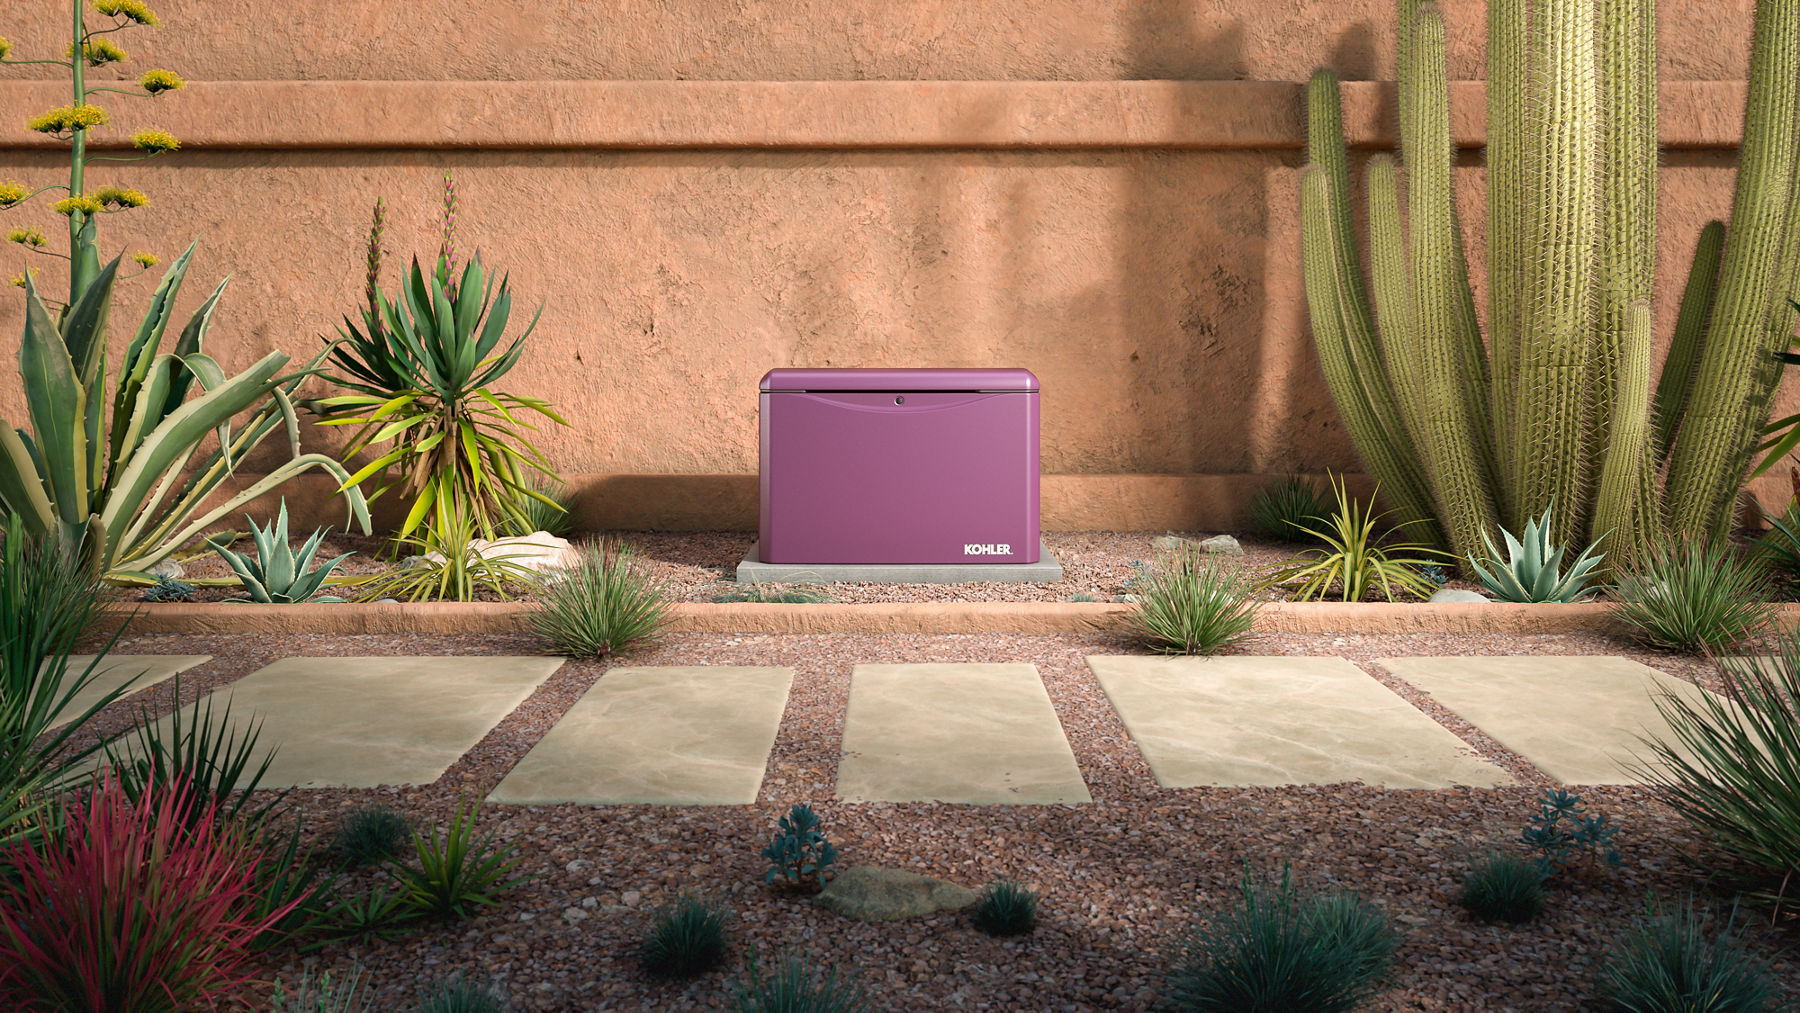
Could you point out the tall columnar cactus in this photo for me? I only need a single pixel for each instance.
(1556, 404)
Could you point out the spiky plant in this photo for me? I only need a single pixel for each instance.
(1532, 570)
(1465, 434)
(279, 575)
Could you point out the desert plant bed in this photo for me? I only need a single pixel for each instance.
(1121, 878)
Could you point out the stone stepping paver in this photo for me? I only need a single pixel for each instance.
(363, 722)
(696, 735)
(118, 669)
(1582, 719)
(971, 733)
(1267, 721)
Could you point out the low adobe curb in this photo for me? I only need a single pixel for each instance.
(912, 617)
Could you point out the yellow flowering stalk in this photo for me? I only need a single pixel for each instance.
(147, 260)
(5, 46)
(131, 10)
(66, 118)
(18, 280)
(12, 193)
(158, 81)
(98, 52)
(154, 141)
(26, 237)
(70, 205)
(120, 197)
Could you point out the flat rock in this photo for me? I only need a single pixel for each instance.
(1167, 543)
(1221, 545)
(539, 550)
(872, 893)
(166, 568)
(1451, 594)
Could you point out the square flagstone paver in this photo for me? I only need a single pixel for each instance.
(1582, 719)
(978, 734)
(665, 736)
(116, 670)
(1281, 721)
(363, 722)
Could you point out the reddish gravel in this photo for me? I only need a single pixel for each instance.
(1121, 877)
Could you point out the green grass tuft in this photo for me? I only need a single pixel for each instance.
(1193, 604)
(797, 985)
(1285, 508)
(1503, 887)
(1694, 596)
(605, 604)
(457, 994)
(687, 937)
(1680, 962)
(371, 834)
(1006, 908)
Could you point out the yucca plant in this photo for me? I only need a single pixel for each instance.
(456, 873)
(1532, 570)
(605, 604)
(1355, 559)
(1193, 604)
(279, 575)
(1693, 596)
(448, 567)
(1467, 434)
(210, 755)
(1682, 961)
(421, 367)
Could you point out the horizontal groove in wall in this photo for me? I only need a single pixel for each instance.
(773, 115)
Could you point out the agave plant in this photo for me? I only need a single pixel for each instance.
(131, 492)
(278, 575)
(1532, 570)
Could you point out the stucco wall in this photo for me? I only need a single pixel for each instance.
(1135, 245)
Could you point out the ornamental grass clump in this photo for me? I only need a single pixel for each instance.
(605, 603)
(1501, 886)
(1194, 604)
(797, 984)
(1694, 596)
(458, 994)
(687, 936)
(371, 834)
(1684, 961)
(1284, 509)
(1284, 949)
(1355, 560)
(1006, 908)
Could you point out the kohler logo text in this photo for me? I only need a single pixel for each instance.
(987, 549)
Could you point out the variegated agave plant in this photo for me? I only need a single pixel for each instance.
(278, 575)
(1531, 571)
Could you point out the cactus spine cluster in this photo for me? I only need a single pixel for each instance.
(1467, 433)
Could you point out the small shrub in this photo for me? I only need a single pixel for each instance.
(457, 994)
(1435, 573)
(799, 850)
(376, 913)
(457, 573)
(1085, 596)
(797, 985)
(528, 514)
(1285, 950)
(605, 604)
(168, 589)
(1503, 887)
(1564, 833)
(1532, 570)
(792, 594)
(140, 905)
(457, 873)
(1354, 560)
(1006, 908)
(1286, 508)
(371, 834)
(1694, 596)
(279, 575)
(1194, 605)
(687, 936)
(325, 995)
(1778, 548)
(1727, 765)
(1679, 963)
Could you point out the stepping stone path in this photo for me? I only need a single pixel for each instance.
(1580, 719)
(975, 734)
(664, 736)
(117, 670)
(363, 722)
(1281, 721)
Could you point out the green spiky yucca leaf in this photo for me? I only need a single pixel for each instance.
(1355, 558)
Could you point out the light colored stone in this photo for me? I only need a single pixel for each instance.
(1168, 543)
(698, 735)
(871, 893)
(1448, 595)
(364, 722)
(165, 568)
(980, 734)
(1221, 545)
(140, 671)
(539, 550)
(1581, 719)
(1280, 721)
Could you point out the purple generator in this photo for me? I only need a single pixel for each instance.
(899, 466)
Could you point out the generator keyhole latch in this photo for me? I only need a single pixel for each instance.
(899, 400)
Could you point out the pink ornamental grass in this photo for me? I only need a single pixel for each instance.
(129, 910)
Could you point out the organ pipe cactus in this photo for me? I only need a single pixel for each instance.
(1470, 433)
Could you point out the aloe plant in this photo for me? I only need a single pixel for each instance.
(1532, 570)
(279, 575)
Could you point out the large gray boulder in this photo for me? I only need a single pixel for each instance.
(871, 893)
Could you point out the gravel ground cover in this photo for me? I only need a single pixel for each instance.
(1122, 877)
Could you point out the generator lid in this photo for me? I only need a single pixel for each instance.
(900, 380)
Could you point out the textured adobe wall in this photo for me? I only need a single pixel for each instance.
(1154, 287)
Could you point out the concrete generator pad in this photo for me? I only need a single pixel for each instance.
(664, 736)
(116, 670)
(976, 734)
(1203, 722)
(1582, 719)
(363, 722)
(752, 570)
